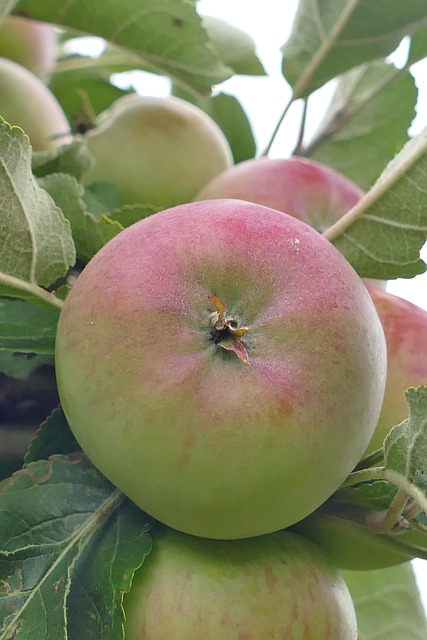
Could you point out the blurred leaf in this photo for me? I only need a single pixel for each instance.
(54, 436)
(131, 213)
(26, 327)
(73, 158)
(20, 365)
(418, 48)
(6, 7)
(234, 47)
(36, 246)
(83, 97)
(101, 197)
(367, 122)
(332, 36)
(229, 114)
(89, 233)
(69, 541)
(381, 236)
(387, 603)
(167, 34)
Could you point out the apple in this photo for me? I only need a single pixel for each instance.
(277, 586)
(30, 43)
(350, 545)
(223, 365)
(168, 149)
(303, 188)
(25, 101)
(405, 329)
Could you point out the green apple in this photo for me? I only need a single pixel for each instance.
(30, 43)
(157, 151)
(405, 329)
(25, 101)
(223, 365)
(277, 586)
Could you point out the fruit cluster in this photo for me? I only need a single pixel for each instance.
(225, 367)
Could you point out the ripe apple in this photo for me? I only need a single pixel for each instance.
(353, 546)
(168, 150)
(277, 586)
(25, 101)
(303, 188)
(223, 365)
(405, 329)
(30, 43)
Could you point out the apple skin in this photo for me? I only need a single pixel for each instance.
(169, 149)
(278, 586)
(30, 43)
(25, 101)
(353, 546)
(199, 439)
(405, 329)
(303, 188)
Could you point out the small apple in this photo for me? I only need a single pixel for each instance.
(278, 586)
(223, 365)
(30, 43)
(303, 188)
(351, 545)
(25, 101)
(405, 329)
(168, 147)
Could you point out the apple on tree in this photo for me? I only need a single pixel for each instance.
(275, 586)
(213, 359)
(300, 187)
(31, 43)
(27, 102)
(405, 329)
(168, 149)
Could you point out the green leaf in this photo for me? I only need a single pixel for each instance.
(36, 246)
(26, 327)
(129, 214)
(381, 236)
(405, 447)
(83, 95)
(234, 47)
(69, 545)
(54, 436)
(73, 158)
(20, 365)
(387, 603)
(367, 122)
(89, 233)
(332, 36)
(418, 48)
(168, 35)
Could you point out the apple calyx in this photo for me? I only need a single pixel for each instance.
(226, 332)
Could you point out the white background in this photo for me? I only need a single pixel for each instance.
(269, 22)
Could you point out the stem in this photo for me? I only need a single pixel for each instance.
(405, 484)
(298, 151)
(383, 521)
(34, 289)
(364, 475)
(277, 127)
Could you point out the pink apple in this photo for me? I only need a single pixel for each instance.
(30, 43)
(223, 365)
(157, 151)
(405, 328)
(25, 101)
(278, 586)
(305, 189)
